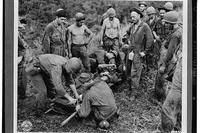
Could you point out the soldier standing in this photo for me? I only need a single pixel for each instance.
(162, 30)
(78, 40)
(171, 113)
(152, 21)
(168, 64)
(111, 34)
(54, 39)
(142, 7)
(141, 40)
(21, 60)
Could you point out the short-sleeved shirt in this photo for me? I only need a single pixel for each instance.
(175, 42)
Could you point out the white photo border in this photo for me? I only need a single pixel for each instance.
(184, 71)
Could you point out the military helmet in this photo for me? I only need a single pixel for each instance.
(142, 3)
(79, 16)
(104, 124)
(150, 10)
(168, 6)
(111, 12)
(73, 65)
(171, 17)
(85, 77)
(61, 13)
(109, 6)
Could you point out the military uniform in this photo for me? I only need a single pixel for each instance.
(174, 43)
(54, 39)
(46, 72)
(99, 101)
(172, 106)
(79, 44)
(22, 80)
(141, 40)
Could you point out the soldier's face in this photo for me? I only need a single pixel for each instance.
(168, 25)
(111, 17)
(142, 7)
(62, 20)
(162, 13)
(135, 17)
(151, 16)
(80, 23)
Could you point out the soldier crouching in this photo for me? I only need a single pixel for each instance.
(45, 72)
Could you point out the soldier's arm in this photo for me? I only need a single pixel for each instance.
(85, 109)
(119, 32)
(88, 31)
(69, 40)
(56, 74)
(72, 86)
(46, 38)
(170, 52)
(149, 38)
(103, 30)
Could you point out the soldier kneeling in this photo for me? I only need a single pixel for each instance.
(98, 102)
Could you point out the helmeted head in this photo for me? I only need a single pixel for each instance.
(85, 77)
(104, 124)
(80, 17)
(136, 15)
(111, 13)
(171, 17)
(151, 11)
(142, 6)
(109, 6)
(168, 6)
(73, 65)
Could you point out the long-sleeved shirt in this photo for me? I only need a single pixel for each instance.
(141, 37)
(52, 65)
(54, 35)
(174, 41)
(162, 30)
(100, 100)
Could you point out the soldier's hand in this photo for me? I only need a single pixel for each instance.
(101, 43)
(78, 107)
(142, 54)
(79, 97)
(70, 55)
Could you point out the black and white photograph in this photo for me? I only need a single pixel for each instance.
(112, 66)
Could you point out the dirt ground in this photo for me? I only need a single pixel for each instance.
(141, 114)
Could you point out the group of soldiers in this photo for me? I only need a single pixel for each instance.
(153, 40)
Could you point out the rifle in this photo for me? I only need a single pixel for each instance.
(70, 117)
